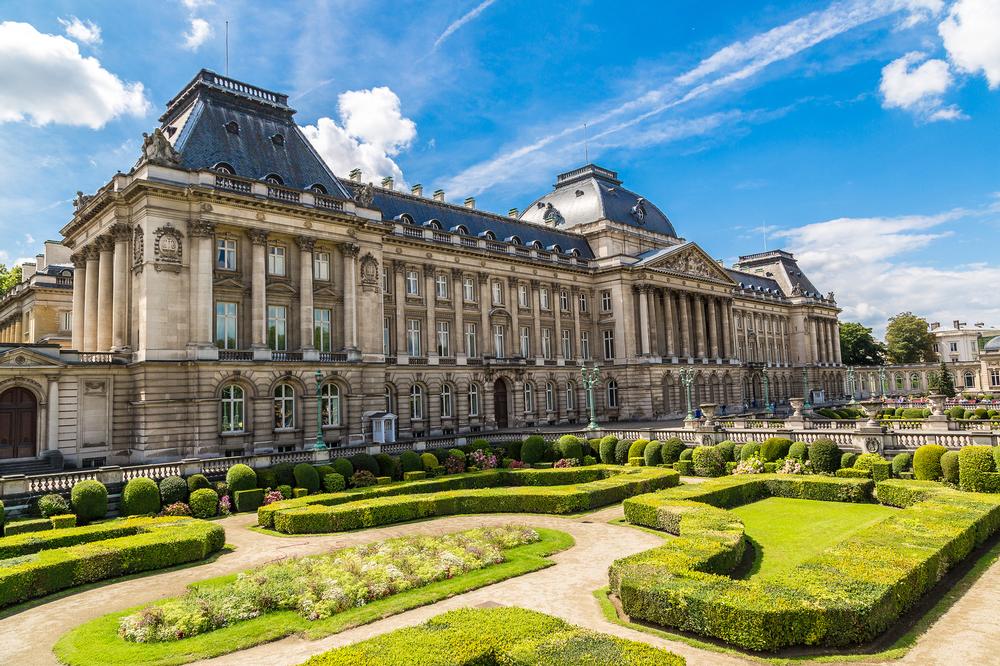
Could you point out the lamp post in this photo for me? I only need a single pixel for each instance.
(590, 378)
(766, 385)
(851, 384)
(687, 378)
(881, 380)
(320, 444)
(805, 388)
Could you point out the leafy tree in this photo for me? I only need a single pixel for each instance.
(908, 339)
(858, 346)
(9, 278)
(942, 382)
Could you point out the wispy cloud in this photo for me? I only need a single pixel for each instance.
(457, 24)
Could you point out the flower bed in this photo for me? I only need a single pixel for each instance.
(37, 564)
(848, 594)
(496, 636)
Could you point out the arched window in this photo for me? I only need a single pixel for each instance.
(232, 408)
(514, 239)
(317, 188)
(329, 398)
(550, 397)
(537, 245)
(899, 381)
(273, 179)
(914, 381)
(529, 397)
(433, 224)
(460, 229)
(447, 401)
(612, 394)
(555, 249)
(970, 380)
(416, 402)
(473, 399)
(284, 407)
(574, 253)
(390, 399)
(570, 396)
(489, 235)
(224, 168)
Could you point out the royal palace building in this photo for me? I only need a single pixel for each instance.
(231, 294)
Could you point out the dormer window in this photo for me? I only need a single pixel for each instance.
(317, 188)
(555, 249)
(460, 229)
(514, 240)
(232, 127)
(224, 168)
(404, 219)
(489, 235)
(278, 139)
(273, 179)
(433, 224)
(537, 245)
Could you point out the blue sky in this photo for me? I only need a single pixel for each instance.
(863, 133)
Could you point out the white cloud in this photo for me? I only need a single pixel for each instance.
(971, 34)
(920, 11)
(455, 25)
(196, 35)
(195, 4)
(85, 32)
(44, 79)
(372, 130)
(918, 88)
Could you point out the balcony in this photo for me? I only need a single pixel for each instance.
(332, 357)
(286, 356)
(235, 355)
(282, 194)
(233, 184)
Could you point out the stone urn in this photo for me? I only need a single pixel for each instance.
(872, 408)
(797, 404)
(937, 404)
(708, 413)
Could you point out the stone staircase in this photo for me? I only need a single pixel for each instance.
(26, 467)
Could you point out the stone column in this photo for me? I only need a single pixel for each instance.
(53, 414)
(713, 328)
(727, 340)
(832, 340)
(105, 291)
(121, 233)
(458, 300)
(836, 345)
(536, 312)
(654, 320)
(258, 289)
(306, 322)
(485, 343)
(430, 300)
(350, 251)
(668, 315)
(18, 330)
(575, 295)
(811, 334)
(556, 303)
(401, 349)
(79, 299)
(699, 325)
(643, 291)
(90, 300)
(685, 304)
(515, 317)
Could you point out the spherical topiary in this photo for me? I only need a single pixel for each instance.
(621, 451)
(901, 463)
(799, 451)
(750, 450)
(956, 412)
(949, 466)
(974, 462)
(197, 482)
(653, 453)
(285, 473)
(410, 462)
(306, 477)
(458, 453)
(708, 461)
(334, 483)
(266, 478)
(726, 449)
(141, 497)
(90, 500)
(241, 477)
(867, 461)
(429, 461)
(607, 449)
(343, 467)
(364, 461)
(323, 470)
(927, 462)
(570, 446)
(824, 456)
(386, 465)
(637, 447)
(204, 503)
(52, 505)
(513, 450)
(533, 449)
(671, 450)
(173, 489)
(686, 454)
(774, 448)
(847, 459)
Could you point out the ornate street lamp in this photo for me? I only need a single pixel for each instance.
(805, 388)
(767, 386)
(687, 378)
(591, 376)
(320, 444)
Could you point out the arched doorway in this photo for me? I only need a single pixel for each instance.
(500, 403)
(18, 421)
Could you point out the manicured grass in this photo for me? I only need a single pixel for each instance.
(96, 643)
(785, 532)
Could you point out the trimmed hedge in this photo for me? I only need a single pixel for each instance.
(976, 469)
(708, 461)
(671, 450)
(52, 505)
(197, 482)
(241, 477)
(774, 448)
(204, 503)
(848, 594)
(824, 456)
(410, 461)
(173, 489)
(141, 497)
(637, 447)
(853, 473)
(684, 467)
(848, 459)
(750, 450)
(249, 500)
(901, 462)
(686, 454)
(64, 558)
(799, 451)
(89, 499)
(415, 475)
(306, 477)
(366, 462)
(26, 526)
(570, 446)
(533, 449)
(652, 454)
(63, 521)
(342, 466)
(927, 462)
(334, 482)
(429, 461)
(621, 451)
(949, 467)
(606, 449)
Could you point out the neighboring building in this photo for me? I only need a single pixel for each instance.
(960, 343)
(229, 272)
(39, 310)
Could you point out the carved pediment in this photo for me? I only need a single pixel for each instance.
(26, 358)
(279, 286)
(690, 260)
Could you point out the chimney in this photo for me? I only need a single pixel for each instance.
(387, 183)
(512, 213)
(957, 324)
(438, 195)
(935, 325)
(417, 190)
(470, 202)
(355, 175)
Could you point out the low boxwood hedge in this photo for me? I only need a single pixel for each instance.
(848, 594)
(249, 500)
(42, 563)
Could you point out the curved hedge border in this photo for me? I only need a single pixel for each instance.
(41, 563)
(496, 636)
(846, 595)
(558, 491)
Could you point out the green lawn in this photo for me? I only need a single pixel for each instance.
(785, 532)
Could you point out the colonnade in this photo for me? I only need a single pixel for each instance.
(12, 330)
(100, 292)
(683, 324)
(824, 340)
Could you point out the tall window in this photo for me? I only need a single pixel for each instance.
(522, 295)
(226, 325)
(329, 400)
(231, 408)
(412, 283)
(275, 260)
(914, 381)
(470, 340)
(543, 297)
(546, 343)
(583, 302)
(284, 407)
(386, 282)
(497, 292)
(605, 301)
(322, 318)
(529, 397)
(994, 377)
(585, 345)
(277, 327)
(970, 380)
(386, 339)
(469, 290)
(413, 337)
(567, 344)
(499, 346)
(321, 266)
(442, 285)
(225, 255)
(612, 394)
(570, 396)
(443, 338)
(390, 399)
(563, 300)
(416, 402)
(66, 321)
(447, 401)
(609, 345)
(525, 342)
(473, 399)
(550, 397)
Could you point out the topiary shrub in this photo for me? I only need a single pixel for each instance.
(197, 482)
(415, 475)
(727, 448)
(204, 503)
(306, 477)
(249, 500)
(285, 473)
(847, 459)
(62, 521)
(241, 477)
(266, 478)
(686, 454)
(141, 497)
(901, 462)
(799, 451)
(956, 413)
(458, 453)
(637, 447)
(363, 479)
(671, 450)
(949, 467)
(867, 461)
(652, 454)
(323, 470)
(533, 449)
(410, 462)
(90, 500)
(341, 466)
(927, 462)
(429, 461)
(750, 450)
(570, 446)
(366, 462)
(974, 464)
(737, 450)
(53, 505)
(708, 461)
(173, 489)
(621, 451)
(3, 516)
(513, 449)
(606, 449)
(996, 457)
(824, 456)
(981, 413)
(334, 483)
(774, 448)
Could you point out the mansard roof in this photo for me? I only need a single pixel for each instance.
(782, 267)
(756, 283)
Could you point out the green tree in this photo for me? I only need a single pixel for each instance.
(908, 340)
(9, 278)
(942, 382)
(858, 346)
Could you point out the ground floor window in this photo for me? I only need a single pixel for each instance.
(612, 394)
(232, 409)
(284, 407)
(330, 404)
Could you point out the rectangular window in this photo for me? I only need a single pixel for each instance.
(225, 325)
(567, 344)
(470, 340)
(525, 342)
(497, 292)
(954, 346)
(386, 340)
(473, 399)
(275, 260)
(412, 283)
(994, 377)
(609, 345)
(65, 321)
(225, 257)
(386, 282)
(543, 298)
(605, 301)
(321, 266)
(322, 321)
(563, 301)
(585, 345)
(583, 302)
(499, 348)
(442, 286)
(444, 338)
(522, 296)
(469, 290)
(277, 327)
(546, 343)
(413, 337)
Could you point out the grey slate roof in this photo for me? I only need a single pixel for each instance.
(755, 282)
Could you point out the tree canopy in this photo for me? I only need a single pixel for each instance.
(908, 340)
(942, 382)
(858, 346)
(9, 278)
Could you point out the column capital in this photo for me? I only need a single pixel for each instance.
(90, 252)
(456, 273)
(257, 236)
(399, 267)
(201, 228)
(121, 232)
(535, 284)
(350, 249)
(429, 270)
(306, 243)
(79, 259)
(484, 277)
(104, 243)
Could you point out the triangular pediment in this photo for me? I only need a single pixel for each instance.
(686, 259)
(25, 357)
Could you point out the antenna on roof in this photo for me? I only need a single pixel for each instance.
(227, 49)
(586, 148)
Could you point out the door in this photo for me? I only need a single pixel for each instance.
(18, 418)
(500, 403)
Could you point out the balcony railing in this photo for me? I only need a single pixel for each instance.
(328, 203)
(286, 356)
(332, 357)
(235, 355)
(282, 194)
(233, 184)
(96, 358)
